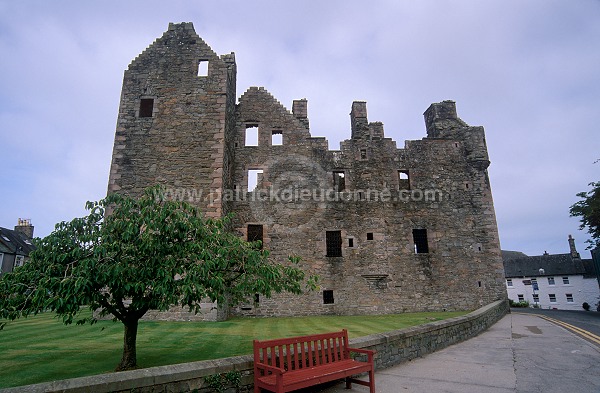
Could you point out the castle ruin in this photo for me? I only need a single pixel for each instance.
(387, 229)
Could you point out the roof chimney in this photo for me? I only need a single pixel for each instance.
(24, 226)
(300, 111)
(574, 253)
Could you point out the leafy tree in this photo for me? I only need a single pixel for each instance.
(148, 253)
(589, 210)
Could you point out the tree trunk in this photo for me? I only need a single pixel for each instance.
(129, 359)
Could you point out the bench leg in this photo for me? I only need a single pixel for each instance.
(372, 381)
(348, 383)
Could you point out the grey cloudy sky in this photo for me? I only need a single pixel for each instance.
(528, 71)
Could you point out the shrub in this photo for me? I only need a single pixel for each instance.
(586, 306)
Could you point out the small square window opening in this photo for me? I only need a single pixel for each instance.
(403, 180)
(255, 233)
(328, 296)
(146, 107)
(339, 181)
(203, 68)
(251, 135)
(277, 138)
(333, 240)
(420, 239)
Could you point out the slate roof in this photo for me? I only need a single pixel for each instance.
(15, 242)
(553, 265)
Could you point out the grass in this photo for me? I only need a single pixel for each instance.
(40, 349)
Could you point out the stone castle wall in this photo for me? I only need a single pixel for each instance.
(416, 225)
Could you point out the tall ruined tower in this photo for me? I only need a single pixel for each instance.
(387, 229)
(175, 120)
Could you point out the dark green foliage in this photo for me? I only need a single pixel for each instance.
(589, 210)
(148, 253)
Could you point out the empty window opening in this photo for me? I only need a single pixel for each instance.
(369, 235)
(339, 181)
(363, 154)
(146, 107)
(333, 240)
(403, 180)
(254, 179)
(552, 297)
(479, 284)
(255, 233)
(569, 297)
(420, 239)
(251, 135)
(203, 68)
(256, 298)
(350, 242)
(328, 296)
(277, 138)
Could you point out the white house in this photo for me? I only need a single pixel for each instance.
(558, 281)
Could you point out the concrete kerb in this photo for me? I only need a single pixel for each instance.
(393, 347)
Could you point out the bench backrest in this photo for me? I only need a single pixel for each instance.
(304, 351)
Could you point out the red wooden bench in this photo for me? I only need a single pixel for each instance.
(287, 364)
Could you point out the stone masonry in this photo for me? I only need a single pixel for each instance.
(387, 229)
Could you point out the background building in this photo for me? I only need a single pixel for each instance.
(558, 281)
(15, 245)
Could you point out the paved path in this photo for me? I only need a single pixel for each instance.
(520, 353)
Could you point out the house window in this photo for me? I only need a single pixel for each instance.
(254, 175)
(277, 138)
(536, 298)
(339, 181)
(420, 239)
(521, 298)
(509, 282)
(19, 260)
(1, 260)
(146, 107)
(565, 280)
(550, 280)
(369, 235)
(534, 281)
(403, 180)
(552, 297)
(255, 233)
(203, 68)
(333, 241)
(328, 296)
(251, 135)
(569, 297)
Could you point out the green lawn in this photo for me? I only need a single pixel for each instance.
(41, 348)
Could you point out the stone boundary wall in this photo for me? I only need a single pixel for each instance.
(392, 348)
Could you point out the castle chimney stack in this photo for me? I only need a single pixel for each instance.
(574, 252)
(358, 119)
(300, 111)
(436, 114)
(24, 226)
